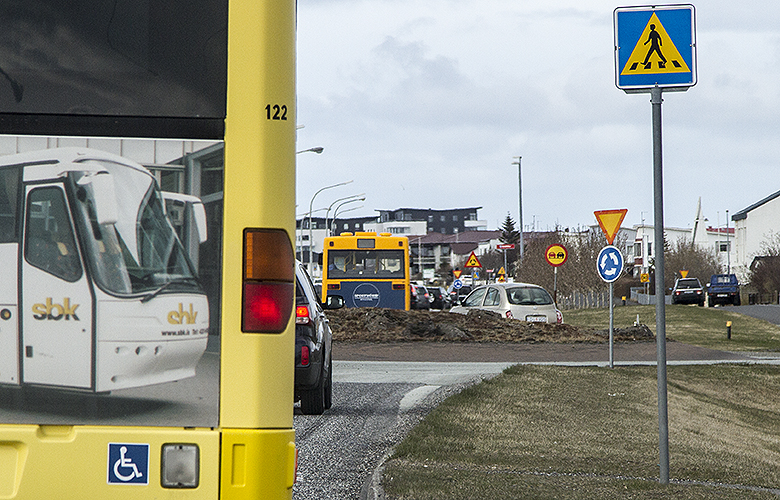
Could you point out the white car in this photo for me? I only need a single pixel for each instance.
(521, 301)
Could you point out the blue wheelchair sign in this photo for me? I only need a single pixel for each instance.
(128, 463)
(609, 263)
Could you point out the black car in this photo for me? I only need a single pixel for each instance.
(313, 368)
(458, 294)
(688, 291)
(419, 298)
(439, 297)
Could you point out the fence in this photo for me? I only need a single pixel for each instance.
(584, 300)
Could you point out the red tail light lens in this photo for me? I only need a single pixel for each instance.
(509, 314)
(305, 356)
(267, 306)
(301, 315)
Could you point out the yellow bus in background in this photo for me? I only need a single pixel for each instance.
(97, 74)
(367, 269)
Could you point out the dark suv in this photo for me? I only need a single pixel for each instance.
(313, 368)
(687, 291)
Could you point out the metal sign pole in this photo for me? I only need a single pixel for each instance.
(611, 326)
(660, 292)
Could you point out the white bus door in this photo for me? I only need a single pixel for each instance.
(57, 345)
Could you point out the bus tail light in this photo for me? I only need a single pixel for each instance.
(268, 281)
(398, 286)
(334, 286)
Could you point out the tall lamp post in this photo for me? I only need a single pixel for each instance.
(520, 200)
(327, 214)
(299, 231)
(336, 211)
(311, 204)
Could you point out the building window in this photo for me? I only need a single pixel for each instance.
(724, 246)
(444, 230)
(430, 218)
(442, 218)
(649, 248)
(454, 218)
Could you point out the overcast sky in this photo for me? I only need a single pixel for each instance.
(426, 104)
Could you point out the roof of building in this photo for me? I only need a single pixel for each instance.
(742, 214)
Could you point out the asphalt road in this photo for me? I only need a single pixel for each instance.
(768, 312)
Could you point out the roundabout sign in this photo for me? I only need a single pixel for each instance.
(609, 263)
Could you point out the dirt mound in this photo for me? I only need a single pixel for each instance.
(391, 325)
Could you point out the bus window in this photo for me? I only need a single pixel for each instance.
(50, 245)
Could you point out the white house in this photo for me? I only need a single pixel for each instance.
(753, 226)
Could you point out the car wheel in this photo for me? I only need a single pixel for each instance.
(701, 304)
(313, 401)
(329, 385)
(710, 302)
(737, 300)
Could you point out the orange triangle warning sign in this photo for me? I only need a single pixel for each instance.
(473, 261)
(610, 221)
(654, 52)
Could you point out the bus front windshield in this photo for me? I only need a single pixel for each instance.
(140, 253)
(366, 264)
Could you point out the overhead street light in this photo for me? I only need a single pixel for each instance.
(311, 204)
(336, 211)
(327, 214)
(317, 150)
(299, 231)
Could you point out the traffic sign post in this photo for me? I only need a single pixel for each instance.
(504, 247)
(609, 265)
(555, 255)
(655, 47)
(663, 33)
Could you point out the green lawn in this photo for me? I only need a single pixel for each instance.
(701, 326)
(548, 432)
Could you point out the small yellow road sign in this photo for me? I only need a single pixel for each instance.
(556, 254)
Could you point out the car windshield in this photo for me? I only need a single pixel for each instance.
(688, 283)
(528, 296)
(140, 252)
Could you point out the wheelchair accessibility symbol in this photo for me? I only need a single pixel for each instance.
(128, 463)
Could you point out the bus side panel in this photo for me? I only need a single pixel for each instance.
(257, 369)
(9, 318)
(257, 462)
(37, 461)
(372, 294)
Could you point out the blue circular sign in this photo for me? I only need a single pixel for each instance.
(609, 263)
(365, 295)
(457, 284)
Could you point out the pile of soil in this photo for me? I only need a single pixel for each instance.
(391, 325)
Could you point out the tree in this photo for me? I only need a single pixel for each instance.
(508, 232)
(684, 255)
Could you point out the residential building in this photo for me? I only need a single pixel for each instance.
(447, 221)
(753, 227)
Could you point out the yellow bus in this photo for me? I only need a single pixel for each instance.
(129, 367)
(367, 269)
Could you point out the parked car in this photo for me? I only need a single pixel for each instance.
(723, 289)
(439, 297)
(522, 301)
(688, 291)
(419, 298)
(313, 338)
(458, 294)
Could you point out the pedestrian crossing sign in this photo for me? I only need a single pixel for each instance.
(655, 46)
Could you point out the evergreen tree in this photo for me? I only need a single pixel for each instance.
(508, 232)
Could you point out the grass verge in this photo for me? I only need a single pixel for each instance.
(702, 326)
(591, 433)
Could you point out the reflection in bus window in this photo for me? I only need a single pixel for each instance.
(50, 244)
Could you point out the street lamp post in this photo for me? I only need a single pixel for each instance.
(299, 230)
(327, 214)
(311, 204)
(333, 222)
(336, 211)
(520, 201)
